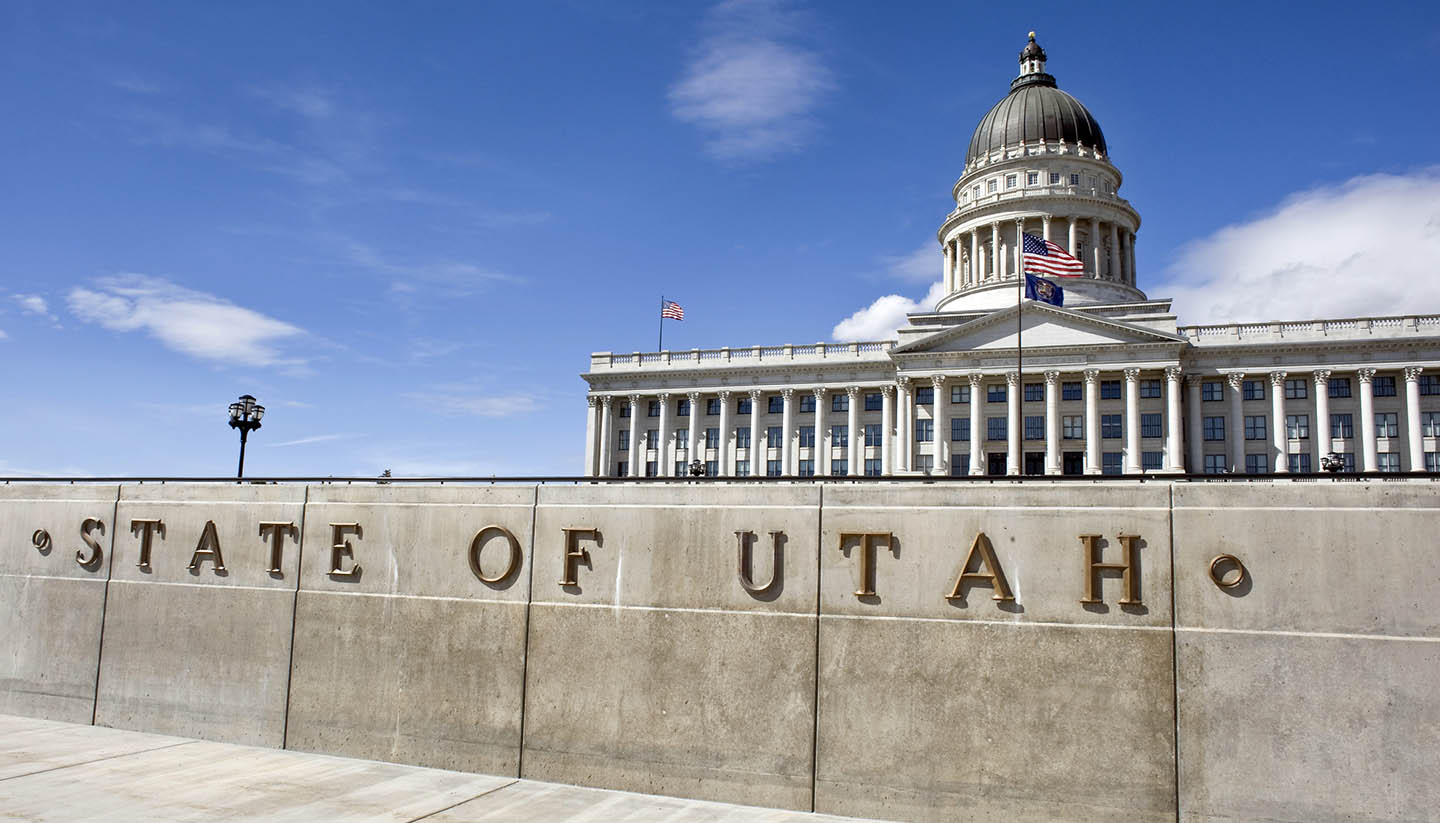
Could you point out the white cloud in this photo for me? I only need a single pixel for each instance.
(458, 277)
(34, 304)
(751, 87)
(190, 322)
(319, 438)
(1365, 247)
(881, 319)
(924, 265)
(308, 102)
(3, 335)
(470, 403)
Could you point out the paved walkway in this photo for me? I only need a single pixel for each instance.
(64, 772)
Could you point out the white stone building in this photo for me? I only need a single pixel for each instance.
(1107, 384)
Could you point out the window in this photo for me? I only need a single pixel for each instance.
(742, 468)
(712, 406)
(742, 406)
(1340, 426)
(1348, 458)
(1152, 461)
(1339, 387)
(924, 463)
(872, 467)
(975, 191)
(807, 437)
(682, 469)
(1032, 178)
(1388, 461)
(1054, 178)
(1384, 386)
(682, 408)
(995, 428)
(839, 436)
(1034, 392)
(742, 437)
(1035, 428)
(1110, 463)
(1429, 384)
(1110, 426)
(650, 468)
(1432, 461)
(1011, 181)
(1295, 389)
(624, 444)
(807, 402)
(1253, 389)
(839, 467)
(1150, 425)
(1297, 426)
(712, 438)
(1214, 428)
(1387, 424)
(1034, 462)
(712, 468)
(772, 468)
(1210, 390)
(1430, 424)
(776, 404)
(1109, 389)
(625, 409)
(807, 468)
(960, 428)
(1149, 388)
(1299, 463)
(991, 186)
(622, 469)
(1214, 464)
(1072, 427)
(1074, 179)
(773, 439)
(1071, 391)
(682, 439)
(650, 438)
(959, 394)
(1254, 427)
(840, 401)
(959, 465)
(925, 396)
(1256, 464)
(924, 431)
(654, 409)
(873, 402)
(872, 434)
(995, 394)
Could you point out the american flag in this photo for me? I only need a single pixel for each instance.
(671, 310)
(1044, 257)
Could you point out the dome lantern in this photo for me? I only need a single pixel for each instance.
(1032, 58)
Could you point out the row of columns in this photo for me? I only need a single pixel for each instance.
(983, 263)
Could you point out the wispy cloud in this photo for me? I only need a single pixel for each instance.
(457, 277)
(468, 402)
(34, 304)
(753, 85)
(319, 438)
(3, 335)
(307, 101)
(134, 83)
(190, 322)
(164, 130)
(1364, 247)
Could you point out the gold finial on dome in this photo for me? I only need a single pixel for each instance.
(1032, 35)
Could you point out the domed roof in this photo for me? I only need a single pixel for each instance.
(1035, 110)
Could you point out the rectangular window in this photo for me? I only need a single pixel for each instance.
(960, 428)
(622, 469)
(959, 394)
(807, 402)
(1034, 392)
(1299, 463)
(1011, 181)
(872, 467)
(1151, 426)
(1348, 458)
(1253, 389)
(742, 468)
(1054, 178)
(975, 192)
(807, 437)
(1149, 388)
(651, 437)
(625, 409)
(872, 434)
(1430, 424)
(776, 404)
(712, 406)
(959, 465)
(1109, 389)
(650, 470)
(773, 438)
(1214, 428)
(925, 396)
(873, 402)
(1339, 387)
(1074, 179)
(1295, 389)
(1341, 426)
(654, 409)
(624, 444)
(1110, 463)
(1110, 426)
(1387, 424)
(1254, 427)
(807, 468)
(1384, 386)
(1256, 464)
(742, 406)
(1297, 426)
(1071, 391)
(712, 438)
(682, 439)
(924, 463)
(1388, 461)
(839, 467)
(742, 437)
(995, 428)
(924, 431)
(1032, 178)
(1035, 428)
(840, 401)
(682, 408)
(1214, 464)
(1152, 461)
(772, 468)
(1432, 461)
(1429, 384)
(712, 468)
(1210, 390)
(682, 469)
(1072, 427)
(839, 436)
(991, 186)
(995, 393)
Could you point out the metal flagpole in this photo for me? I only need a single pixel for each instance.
(661, 345)
(1020, 352)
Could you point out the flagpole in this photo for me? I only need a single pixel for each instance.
(661, 345)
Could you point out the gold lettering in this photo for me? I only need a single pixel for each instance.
(478, 544)
(145, 528)
(574, 554)
(279, 530)
(980, 547)
(340, 549)
(867, 557)
(90, 524)
(209, 546)
(1130, 569)
(746, 540)
(40, 539)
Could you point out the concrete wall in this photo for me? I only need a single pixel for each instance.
(617, 642)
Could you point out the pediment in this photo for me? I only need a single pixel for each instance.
(1042, 327)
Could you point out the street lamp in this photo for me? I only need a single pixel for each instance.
(245, 415)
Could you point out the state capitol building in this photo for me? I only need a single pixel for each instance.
(1108, 384)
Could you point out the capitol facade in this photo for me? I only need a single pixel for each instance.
(1108, 383)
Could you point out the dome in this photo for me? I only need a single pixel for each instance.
(1034, 110)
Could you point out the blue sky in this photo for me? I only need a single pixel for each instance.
(404, 227)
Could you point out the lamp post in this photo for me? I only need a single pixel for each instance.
(245, 415)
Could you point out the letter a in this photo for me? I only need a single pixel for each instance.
(981, 547)
(209, 546)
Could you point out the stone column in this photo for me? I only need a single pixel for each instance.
(1280, 437)
(757, 437)
(1052, 420)
(592, 405)
(941, 420)
(664, 464)
(1412, 420)
(1045, 227)
(904, 425)
(984, 272)
(787, 433)
(1095, 246)
(974, 257)
(1367, 419)
(726, 467)
(607, 436)
(854, 451)
(1092, 421)
(636, 456)
(693, 450)
(1074, 236)
(977, 420)
(1019, 247)
(1174, 423)
(1132, 421)
(1196, 423)
(1236, 383)
(887, 430)
(995, 249)
(949, 268)
(1013, 429)
(1320, 435)
(820, 452)
(1130, 256)
(1115, 273)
